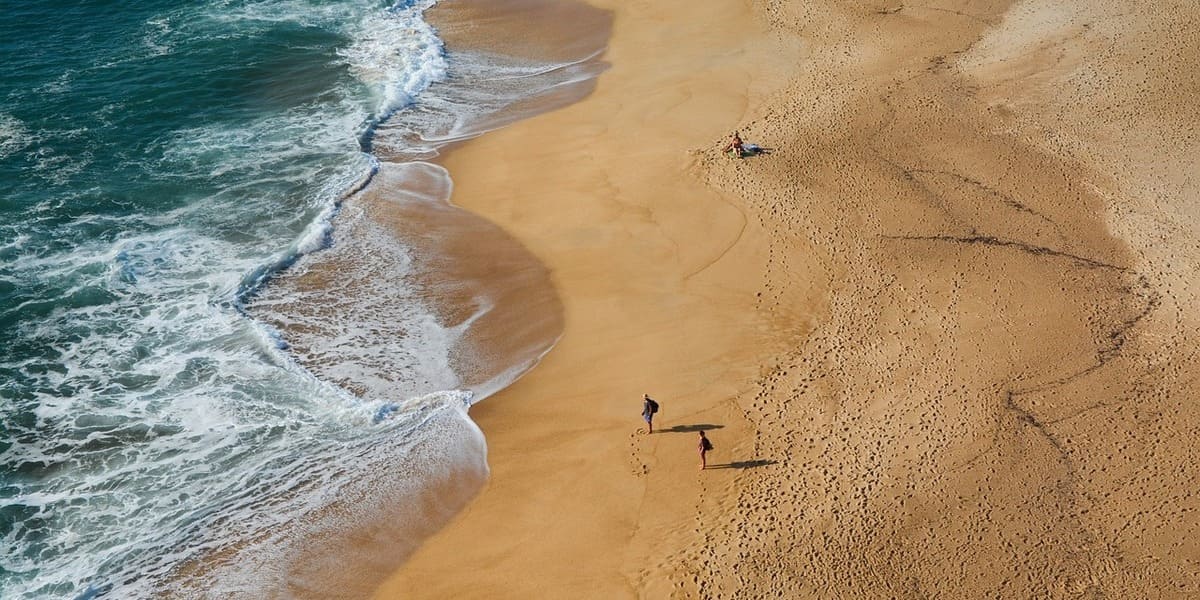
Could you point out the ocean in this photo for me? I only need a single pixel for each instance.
(191, 397)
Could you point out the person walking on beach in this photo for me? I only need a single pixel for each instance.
(704, 447)
(649, 407)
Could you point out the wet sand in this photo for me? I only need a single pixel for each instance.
(939, 334)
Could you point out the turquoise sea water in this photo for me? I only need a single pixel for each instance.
(159, 163)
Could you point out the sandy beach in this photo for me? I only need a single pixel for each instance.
(939, 334)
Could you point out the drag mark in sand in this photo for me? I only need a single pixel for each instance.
(904, 7)
(1021, 246)
(1119, 334)
(1005, 198)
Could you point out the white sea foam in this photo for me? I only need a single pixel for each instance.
(148, 387)
(381, 340)
(156, 38)
(14, 136)
(356, 489)
(485, 93)
(399, 55)
(267, 145)
(59, 85)
(241, 16)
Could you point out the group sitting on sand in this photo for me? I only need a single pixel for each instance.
(650, 408)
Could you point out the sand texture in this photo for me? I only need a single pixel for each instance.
(940, 334)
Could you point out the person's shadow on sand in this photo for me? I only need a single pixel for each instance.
(744, 464)
(691, 428)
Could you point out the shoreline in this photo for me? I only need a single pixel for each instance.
(929, 364)
(418, 309)
(650, 310)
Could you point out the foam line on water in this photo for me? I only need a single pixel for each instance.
(375, 332)
(485, 92)
(440, 470)
(399, 55)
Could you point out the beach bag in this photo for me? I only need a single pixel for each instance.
(707, 444)
(653, 406)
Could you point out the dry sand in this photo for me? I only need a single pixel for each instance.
(940, 334)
